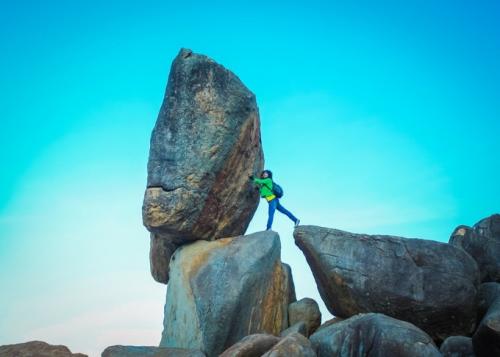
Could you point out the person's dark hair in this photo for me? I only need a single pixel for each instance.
(269, 173)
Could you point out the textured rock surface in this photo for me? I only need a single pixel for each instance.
(373, 335)
(489, 227)
(37, 349)
(293, 345)
(251, 346)
(148, 351)
(457, 346)
(298, 327)
(306, 310)
(205, 143)
(486, 339)
(483, 243)
(223, 290)
(430, 284)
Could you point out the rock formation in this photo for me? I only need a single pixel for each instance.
(224, 290)
(432, 285)
(37, 349)
(373, 335)
(486, 339)
(205, 143)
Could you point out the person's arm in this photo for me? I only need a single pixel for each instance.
(266, 181)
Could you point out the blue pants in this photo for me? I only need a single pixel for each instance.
(276, 205)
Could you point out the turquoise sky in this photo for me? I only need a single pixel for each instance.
(377, 117)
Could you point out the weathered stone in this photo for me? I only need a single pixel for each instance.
(489, 227)
(205, 143)
(224, 290)
(486, 339)
(306, 310)
(291, 285)
(483, 243)
(37, 349)
(149, 351)
(432, 285)
(332, 321)
(251, 346)
(373, 335)
(161, 250)
(457, 346)
(293, 345)
(298, 327)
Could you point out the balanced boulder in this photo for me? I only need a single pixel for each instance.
(430, 284)
(224, 290)
(205, 144)
(370, 335)
(482, 242)
(486, 339)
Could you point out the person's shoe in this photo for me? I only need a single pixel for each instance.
(297, 222)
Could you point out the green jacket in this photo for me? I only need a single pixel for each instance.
(265, 185)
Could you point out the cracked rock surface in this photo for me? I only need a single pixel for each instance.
(430, 284)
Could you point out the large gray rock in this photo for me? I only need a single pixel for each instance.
(457, 346)
(306, 310)
(482, 242)
(432, 285)
(36, 349)
(373, 335)
(486, 339)
(224, 290)
(148, 351)
(205, 143)
(293, 345)
(251, 346)
(298, 327)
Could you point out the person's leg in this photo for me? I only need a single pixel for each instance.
(283, 210)
(272, 208)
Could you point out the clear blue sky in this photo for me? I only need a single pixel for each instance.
(377, 117)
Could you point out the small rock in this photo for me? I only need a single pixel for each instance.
(149, 351)
(306, 310)
(299, 327)
(457, 346)
(251, 346)
(37, 349)
(373, 335)
(293, 345)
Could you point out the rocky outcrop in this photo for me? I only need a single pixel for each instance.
(293, 345)
(37, 349)
(486, 339)
(432, 285)
(306, 310)
(148, 351)
(482, 242)
(224, 290)
(373, 335)
(205, 143)
(251, 346)
(457, 346)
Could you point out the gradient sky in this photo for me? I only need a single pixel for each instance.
(377, 117)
